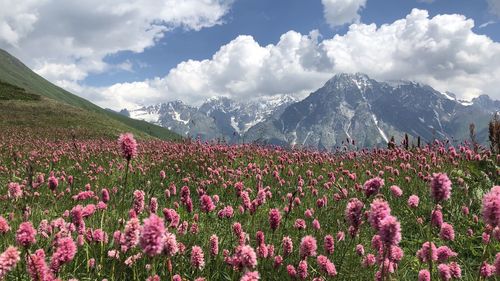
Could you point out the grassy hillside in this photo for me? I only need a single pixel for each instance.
(26, 90)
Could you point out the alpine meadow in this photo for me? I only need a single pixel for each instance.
(220, 140)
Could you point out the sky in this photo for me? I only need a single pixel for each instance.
(129, 53)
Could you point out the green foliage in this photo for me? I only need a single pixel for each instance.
(18, 77)
(11, 92)
(182, 161)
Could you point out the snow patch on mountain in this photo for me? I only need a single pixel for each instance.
(379, 129)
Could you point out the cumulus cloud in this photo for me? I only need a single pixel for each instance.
(67, 40)
(340, 12)
(442, 51)
(241, 69)
(17, 19)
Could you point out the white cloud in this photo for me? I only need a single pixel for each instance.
(488, 23)
(494, 7)
(67, 40)
(241, 69)
(442, 51)
(61, 72)
(17, 19)
(340, 12)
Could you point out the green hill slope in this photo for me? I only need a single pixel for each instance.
(28, 99)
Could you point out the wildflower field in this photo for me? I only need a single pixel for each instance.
(107, 209)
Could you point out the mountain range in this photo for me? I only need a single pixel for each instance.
(216, 118)
(349, 107)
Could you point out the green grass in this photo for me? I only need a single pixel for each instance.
(12, 92)
(16, 77)
(47, 116)
(192, 160)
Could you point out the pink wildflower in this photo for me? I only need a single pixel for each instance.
(497, 264)
(138, 201)
(413, 201)
(360, 250)
(245, 257)
(128, 146)
(379, 210)
(153, 205)
(8, 260)
(424, 275)
(290, 269)
(396, 191)
(250, 276)
(437, 216)
(456, 271)
(308, 247)
(104, 195)
(444, 272)
(316, 225)
(302, 269)
(278, 260)
(300, 224)
(372, 186)
(353, 212)
(274, 218)
(25, 235)
(326, 265)
(491, 207)
(170, 245)
(64, 253)
(14, 190)
(486, 270)
(390, 230)
(447, 233)
(214, 245)
(53, 183)
(37, 267)
(329, 244)
(369, 260)
(197, 257)
(287, 246)
(152, 234)
(4, 225)
(428, 250)
(207, 204)
(440, 187)
(132, 234)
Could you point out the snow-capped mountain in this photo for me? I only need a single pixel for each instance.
(356, 107)
(217, 117)
(348, 107)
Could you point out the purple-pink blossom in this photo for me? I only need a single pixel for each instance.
(128, 146)
(440, 187)
(152, 234)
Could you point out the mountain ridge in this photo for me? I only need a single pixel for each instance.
(93, 118)
(216, 117)
(348, 106)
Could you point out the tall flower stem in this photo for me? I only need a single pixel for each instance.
(429, 240)
(126, 173)
(483, 258)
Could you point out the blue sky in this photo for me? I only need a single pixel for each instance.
(266, 20)
(140, 52)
